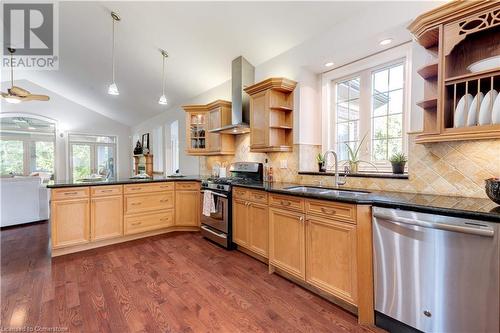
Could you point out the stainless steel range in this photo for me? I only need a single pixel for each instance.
(218, 226)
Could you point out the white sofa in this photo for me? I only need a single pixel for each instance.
(23, 200)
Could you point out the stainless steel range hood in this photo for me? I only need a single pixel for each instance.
(242, 76)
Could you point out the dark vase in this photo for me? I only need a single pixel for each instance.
(321, 167)
(493, 189)
(398, 168)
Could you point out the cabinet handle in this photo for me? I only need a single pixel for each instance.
(328, 211)
(137, 223)
(164, 200)
(164, 219)
(136, 203)
(70, 193)
(135, 188)
(258, 196)
(106, 191)
(301, 219)
(285, 203)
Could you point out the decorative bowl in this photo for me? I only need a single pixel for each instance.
(493, 189)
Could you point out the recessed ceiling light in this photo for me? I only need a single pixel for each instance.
(386, 41)
(329, 64)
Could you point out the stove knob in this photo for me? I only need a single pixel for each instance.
(219, 187)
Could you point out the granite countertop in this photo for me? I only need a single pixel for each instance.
(474, 208)
(120, 181)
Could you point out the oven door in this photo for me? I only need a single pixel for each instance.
(219, 219)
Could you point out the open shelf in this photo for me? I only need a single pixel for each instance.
(429, 71)
(428, 103)
(281, 108)
(281, 127)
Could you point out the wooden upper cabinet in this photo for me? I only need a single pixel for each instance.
(458, 35)
(200, 119)
(271, 115)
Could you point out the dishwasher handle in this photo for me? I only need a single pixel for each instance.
(474, 229)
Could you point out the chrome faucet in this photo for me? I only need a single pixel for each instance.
(336, 182)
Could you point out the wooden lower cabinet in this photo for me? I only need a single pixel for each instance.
(70, 222)
(138, 223)
(251, 227)
(106, 217)
(287, 241)
(187, 208)
(331, 257)
(240, 223)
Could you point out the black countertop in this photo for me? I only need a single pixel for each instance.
(474, 208)
(120, 181)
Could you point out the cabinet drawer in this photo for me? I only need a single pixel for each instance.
(186, 186)
(240, 193)
(336, 210)
(146, 222)
(257, 196)
(70, 193)
(145, 188)
(286, 202)
(148, 202)
(101, 191)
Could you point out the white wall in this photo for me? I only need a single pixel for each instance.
(72, 117)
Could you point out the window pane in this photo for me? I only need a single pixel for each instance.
(380, 104)
(395, 146)
(379, 150)
(11, 157)
(379, 128)
(81, 161)
(381, 81)
(354, 88)
(353, 130)
(105, 161)
(342, 92)
(396, 101)
(44, 157)
(396, 77)
(343, 111)
(342, 132)
(354, 109)
(342, 151)
(395, 128)
(91, 138)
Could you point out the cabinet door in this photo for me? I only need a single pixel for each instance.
(331, 257)
(187, 208)
(106, 217)
(70, 222)
(258, 217)
(287, 241)
(240, 223)
(214, 139)
(259, 122)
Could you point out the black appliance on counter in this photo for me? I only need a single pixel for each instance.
(218, 226)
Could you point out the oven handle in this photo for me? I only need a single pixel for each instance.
(213, 232)
(216, 194)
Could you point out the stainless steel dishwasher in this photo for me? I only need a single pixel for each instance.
(437, 273)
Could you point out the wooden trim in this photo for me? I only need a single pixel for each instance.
(276, 83)
(366, 311)
(218, 103)
(93, 245)
(252, 254)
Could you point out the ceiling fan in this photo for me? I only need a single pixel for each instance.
(16, 94)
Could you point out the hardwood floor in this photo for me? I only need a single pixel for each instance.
(172, 283)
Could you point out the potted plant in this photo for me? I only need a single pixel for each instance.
(398, 161)
(320, 158)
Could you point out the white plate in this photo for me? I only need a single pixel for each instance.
(463, 105)
(485, 64)
(495, 112)
(486, 107)
(472, 114)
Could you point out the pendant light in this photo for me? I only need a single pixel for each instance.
(113, 89)
(163, 98)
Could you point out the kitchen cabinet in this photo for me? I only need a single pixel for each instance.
(70, 217)
(200, 119)
(106, 212)
(250, 221)
(271, 115)
(138, 223)
(331, 257)
(187, 208)
(287, 241)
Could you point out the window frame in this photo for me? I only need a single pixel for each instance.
(364, 69)
(93, 151)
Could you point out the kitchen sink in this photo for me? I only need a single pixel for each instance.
(324, 191)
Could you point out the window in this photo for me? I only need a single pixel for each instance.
(91, 154)
(157, 145)
(26, 146)
(370, 106)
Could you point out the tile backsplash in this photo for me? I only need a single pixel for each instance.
(447, 168)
